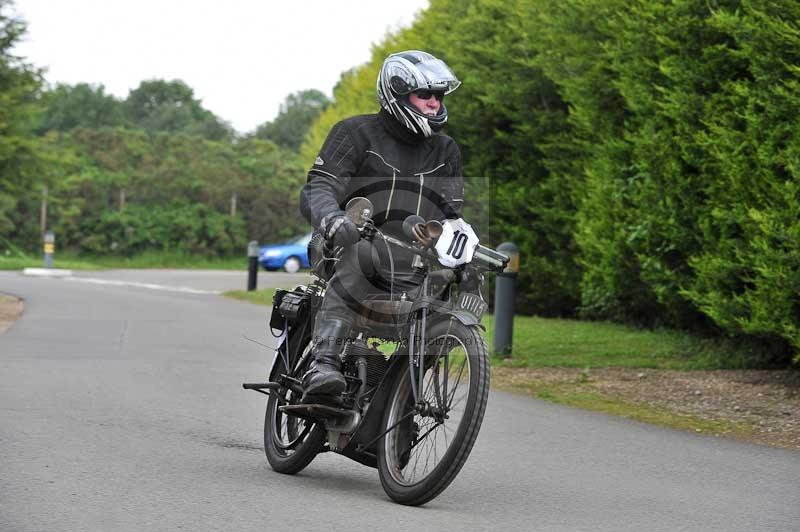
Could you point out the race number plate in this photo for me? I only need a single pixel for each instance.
(457, 243)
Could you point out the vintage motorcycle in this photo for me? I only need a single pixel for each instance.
(416, 365)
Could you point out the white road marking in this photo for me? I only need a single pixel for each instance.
(46, 272)
(149, 286)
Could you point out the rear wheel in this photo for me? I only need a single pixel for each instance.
(429, 445)
(290, 442)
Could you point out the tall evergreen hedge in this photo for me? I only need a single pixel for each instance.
(643, 154)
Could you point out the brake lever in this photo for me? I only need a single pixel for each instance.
(368, 230)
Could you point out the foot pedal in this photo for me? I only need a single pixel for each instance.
(261, 386)
(314, 411)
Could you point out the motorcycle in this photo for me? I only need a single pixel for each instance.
(416, 365)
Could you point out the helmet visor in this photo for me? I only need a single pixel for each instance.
(437, 76)
(420, 71)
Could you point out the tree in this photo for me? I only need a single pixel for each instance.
(746, 273)
(169, 106)
(19, 89)
(509, 119)
(177, 187)
(297, 112)
(270, 199)
(81, 105)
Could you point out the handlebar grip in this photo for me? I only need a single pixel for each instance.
(491, 258)
(408, 226)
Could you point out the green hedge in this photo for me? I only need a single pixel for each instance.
(643, 154)
(186, 228)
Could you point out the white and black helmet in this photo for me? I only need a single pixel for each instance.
(405, 72)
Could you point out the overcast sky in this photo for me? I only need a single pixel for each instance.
(241, 57)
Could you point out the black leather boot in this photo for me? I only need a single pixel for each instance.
(325, 377)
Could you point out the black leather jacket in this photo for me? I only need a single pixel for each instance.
(402, 174)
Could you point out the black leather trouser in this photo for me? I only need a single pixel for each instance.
(364, 271)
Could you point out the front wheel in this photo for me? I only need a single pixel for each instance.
(290, 442)
(292, 265)
(429, 444)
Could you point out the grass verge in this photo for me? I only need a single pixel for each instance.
(260, 297)
(20, 263)
(547, 342)
(580, 394)
(73, 261)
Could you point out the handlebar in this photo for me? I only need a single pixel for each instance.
(422, 234)
(425, 233)
(484, 257)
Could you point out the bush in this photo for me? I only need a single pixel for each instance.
(186, 228)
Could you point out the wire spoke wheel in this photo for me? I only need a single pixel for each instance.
(289, 431)
(432, 439)
(290, 442)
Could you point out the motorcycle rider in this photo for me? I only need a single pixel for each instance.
(402, 162)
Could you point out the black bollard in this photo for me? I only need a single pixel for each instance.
(504, 295)
(252, 265)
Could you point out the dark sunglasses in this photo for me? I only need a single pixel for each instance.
(425, 94)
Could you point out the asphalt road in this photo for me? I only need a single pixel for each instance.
(121, 409)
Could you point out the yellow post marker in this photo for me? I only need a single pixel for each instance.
(49, 248)
(513, 263)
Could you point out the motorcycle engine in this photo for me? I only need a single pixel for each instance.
(376, 361)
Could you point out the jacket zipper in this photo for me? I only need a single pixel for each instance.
(394, 177)
(391, 193)
(422, 185)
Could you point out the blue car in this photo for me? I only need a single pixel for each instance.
(289, 256)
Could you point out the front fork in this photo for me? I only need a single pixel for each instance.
(417, 343)
(416, 354)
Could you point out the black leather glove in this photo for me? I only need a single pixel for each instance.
(341, 231)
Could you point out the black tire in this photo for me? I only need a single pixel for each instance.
(292, 264)
(395, 451)
(290, 443)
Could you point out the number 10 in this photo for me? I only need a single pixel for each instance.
(457, 245)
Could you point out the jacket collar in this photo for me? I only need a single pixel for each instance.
(398, 130)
